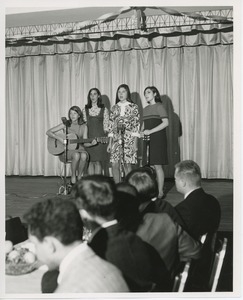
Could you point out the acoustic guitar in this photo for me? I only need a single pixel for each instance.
(55, 147)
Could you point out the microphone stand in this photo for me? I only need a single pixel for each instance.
(121, 129)
(63, 190)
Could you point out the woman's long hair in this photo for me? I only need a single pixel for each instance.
(79, 112)
(99, 101)
(126, 87)
(155, 91)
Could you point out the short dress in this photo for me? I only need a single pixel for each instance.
(153, 116)
(97, 122)
(79, 131)
(130, 119)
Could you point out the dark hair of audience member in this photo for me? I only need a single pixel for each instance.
(127, 212)
(56, 217)
(144, 182)
(96, 195)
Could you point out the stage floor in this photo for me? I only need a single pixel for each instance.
(23, 191)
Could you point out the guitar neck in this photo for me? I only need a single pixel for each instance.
(80, 141)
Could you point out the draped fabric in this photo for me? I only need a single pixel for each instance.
(195, 82)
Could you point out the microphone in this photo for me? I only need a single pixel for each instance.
(66, 122)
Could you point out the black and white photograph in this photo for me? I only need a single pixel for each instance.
(121, 129)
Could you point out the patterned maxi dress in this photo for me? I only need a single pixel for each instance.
(130, 120)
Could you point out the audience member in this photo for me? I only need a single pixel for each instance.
(146, 185)
(55, 227)
(200, 211)
(139, 262)
(172, 243)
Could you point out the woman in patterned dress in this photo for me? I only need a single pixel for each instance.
(123, 127)
(79, 156)
(96, 116)
(155, 121)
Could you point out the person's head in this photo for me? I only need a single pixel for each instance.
(187, 176)
(53, 224)
(94, 96)
(127, 212)
(75, 114)
(144, 182)
(95, 198)
(123, 93)
(151, 93)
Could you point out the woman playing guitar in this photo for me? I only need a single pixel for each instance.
(77, 156)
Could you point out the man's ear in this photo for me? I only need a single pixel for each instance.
(85, 215)
(183, 182)
(51, 244)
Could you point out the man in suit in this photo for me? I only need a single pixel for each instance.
(139, 262)
(56, 229)
(200, 211)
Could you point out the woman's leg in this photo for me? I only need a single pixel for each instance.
(74, 165)
(91, 168)
(116, 172)
(97, 167)
(160, 179)
(82, 164)
(127, 168)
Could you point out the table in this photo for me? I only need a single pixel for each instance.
(25, 284)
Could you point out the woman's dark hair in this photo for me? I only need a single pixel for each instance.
(155, 91)
(79, 112)
(126, 87)
(145, 183)
(99, 101)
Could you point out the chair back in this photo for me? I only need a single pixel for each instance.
(180, 279)
(217, 266)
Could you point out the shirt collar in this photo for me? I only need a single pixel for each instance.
(188, 193)
(109, 223)
(68, 259)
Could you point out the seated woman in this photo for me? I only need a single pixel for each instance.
(78, 156)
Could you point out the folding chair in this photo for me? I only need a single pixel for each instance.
(180, 279)
(217, 266)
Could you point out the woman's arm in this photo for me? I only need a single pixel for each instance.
(161, 126)
(106, 120)
(52, 132)
(85, 136)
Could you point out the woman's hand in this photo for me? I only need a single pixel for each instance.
(109, 148)
(147, 132)
(94, 142)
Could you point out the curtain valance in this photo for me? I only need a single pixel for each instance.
(169, 37)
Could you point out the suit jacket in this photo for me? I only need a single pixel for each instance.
(88, 273)
(139, 262)
(201, 213)
(169, 239)
(162, 206)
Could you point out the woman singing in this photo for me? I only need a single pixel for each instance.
(78, 156)
(97, 118)
(155, 120)
(123, 126)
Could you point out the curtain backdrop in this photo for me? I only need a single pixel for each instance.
(196, 86)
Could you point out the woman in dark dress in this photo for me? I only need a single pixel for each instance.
(96, 116)
(155, 121)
